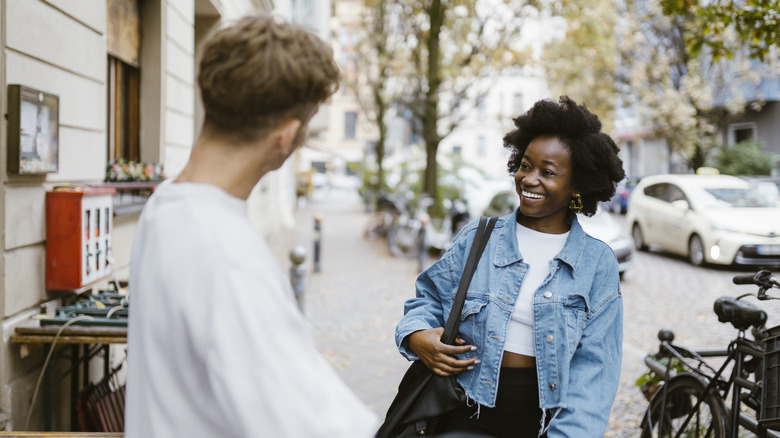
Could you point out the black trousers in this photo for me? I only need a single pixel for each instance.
(516, 415)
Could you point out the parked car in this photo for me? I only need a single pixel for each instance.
(605, 227)
(768, 185)
(717, 219)
(601, 226)
(619, 201)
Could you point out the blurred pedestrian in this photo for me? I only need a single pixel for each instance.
(217, 344)
(539, 348)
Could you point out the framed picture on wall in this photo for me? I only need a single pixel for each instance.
(33, 131)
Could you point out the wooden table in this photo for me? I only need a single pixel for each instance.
(85, 342)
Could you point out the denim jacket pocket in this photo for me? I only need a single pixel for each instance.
(470, 322)
(576, 308)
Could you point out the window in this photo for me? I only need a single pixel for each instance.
(123, 38)
(674, 193)
(741, 135)
(481, 147)
(517, 104)
(657, 191)
(350, 125)
(741, 132)
(123, 93)
(457, 150)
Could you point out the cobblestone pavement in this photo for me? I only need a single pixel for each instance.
(357, 298)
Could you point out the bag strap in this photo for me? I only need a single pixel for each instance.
(480, 241)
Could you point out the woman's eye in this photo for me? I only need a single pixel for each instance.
(523, 166)
(548, 172)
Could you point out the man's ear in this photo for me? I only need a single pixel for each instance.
(284, 135)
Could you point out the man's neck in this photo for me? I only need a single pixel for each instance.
(235, 169)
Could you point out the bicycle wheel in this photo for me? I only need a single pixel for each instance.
(679, 418)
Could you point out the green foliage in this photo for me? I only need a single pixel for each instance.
(755, 22)
(649, 381)
(745, 158)
(682, 91)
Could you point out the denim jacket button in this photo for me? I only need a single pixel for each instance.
(547, 294)
(552, 386)
(549, 338)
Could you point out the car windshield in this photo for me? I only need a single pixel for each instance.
(732, 197)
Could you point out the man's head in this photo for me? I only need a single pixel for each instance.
(260, 73)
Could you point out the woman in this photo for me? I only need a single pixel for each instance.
(539, 346)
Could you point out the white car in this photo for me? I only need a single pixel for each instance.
(605, 227)
(717, 219)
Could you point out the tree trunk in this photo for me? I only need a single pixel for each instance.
(380, 143)
(697, 158)
(430, 111)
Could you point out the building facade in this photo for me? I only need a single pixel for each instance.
(123, 73)
(337, 146)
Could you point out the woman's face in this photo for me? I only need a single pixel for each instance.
(544, 184)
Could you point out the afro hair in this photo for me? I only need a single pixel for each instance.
(596, 167)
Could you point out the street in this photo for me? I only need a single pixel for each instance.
(357, 298)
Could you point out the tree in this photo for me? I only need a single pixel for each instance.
(724, 28)
(378, 66)
(450, 45)
(684, 97)
(680, 89)
(582, 64)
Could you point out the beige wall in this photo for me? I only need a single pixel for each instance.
(59, 46)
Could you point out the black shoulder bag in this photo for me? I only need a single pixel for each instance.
(423, 397)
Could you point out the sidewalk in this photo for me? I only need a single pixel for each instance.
(356, 299)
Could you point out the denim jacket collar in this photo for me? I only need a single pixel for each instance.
(507, 251)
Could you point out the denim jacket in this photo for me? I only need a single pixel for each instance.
(578, 322)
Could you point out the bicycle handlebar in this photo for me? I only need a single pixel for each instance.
(763, 279)
(744, 279)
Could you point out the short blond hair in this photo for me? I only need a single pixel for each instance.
(260, 72)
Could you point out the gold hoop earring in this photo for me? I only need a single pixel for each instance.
(576, 203)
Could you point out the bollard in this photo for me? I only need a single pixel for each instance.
(298, 273)
(317, 239)
(422, 243)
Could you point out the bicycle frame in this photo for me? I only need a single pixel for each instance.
(739, 351)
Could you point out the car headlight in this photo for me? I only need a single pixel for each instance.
(715, 252)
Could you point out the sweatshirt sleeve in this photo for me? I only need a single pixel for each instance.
(267, 375)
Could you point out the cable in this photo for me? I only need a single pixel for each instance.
(114, 309)
(46, 363)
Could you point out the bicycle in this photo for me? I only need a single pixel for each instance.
(690, 399)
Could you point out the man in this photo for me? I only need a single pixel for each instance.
(217, 345)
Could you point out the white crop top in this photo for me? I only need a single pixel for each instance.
(538, 249)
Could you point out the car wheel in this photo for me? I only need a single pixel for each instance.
(696, 251)
(639, 238)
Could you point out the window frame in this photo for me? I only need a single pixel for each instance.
(733, 128)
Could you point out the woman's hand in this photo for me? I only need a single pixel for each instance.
(438, 356)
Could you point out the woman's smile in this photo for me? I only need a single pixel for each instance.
(531, 195)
